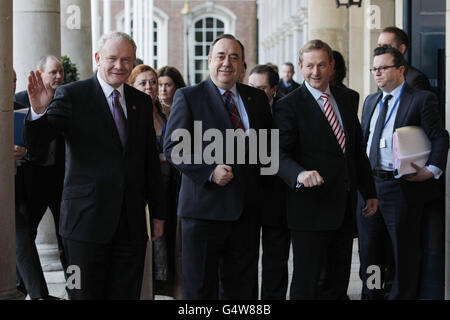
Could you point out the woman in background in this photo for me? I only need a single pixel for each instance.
(166, 281)
(169, 80)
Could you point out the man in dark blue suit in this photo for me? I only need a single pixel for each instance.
(401, 200)
(218, 202)
(111, 173)
(322, 160)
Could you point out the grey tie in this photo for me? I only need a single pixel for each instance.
(375, 146)
(119, 117)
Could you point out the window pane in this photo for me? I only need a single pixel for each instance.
(209, 23)
(199, 36)
(198, 77)
(198, 50)
(209, 36)
(219, 23)
(199, 24)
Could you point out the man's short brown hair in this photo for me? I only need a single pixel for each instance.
(315, 44)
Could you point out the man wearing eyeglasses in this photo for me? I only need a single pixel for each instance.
(401, 200)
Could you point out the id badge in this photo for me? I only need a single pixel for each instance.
(382, 143)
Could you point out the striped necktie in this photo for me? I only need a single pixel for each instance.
(334, 122)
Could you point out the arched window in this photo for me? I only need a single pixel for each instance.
(205, 31)
(160, 35)
(209, 20)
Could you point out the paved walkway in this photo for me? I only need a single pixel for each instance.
(56, 282)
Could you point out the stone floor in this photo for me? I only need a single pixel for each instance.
(56, 282)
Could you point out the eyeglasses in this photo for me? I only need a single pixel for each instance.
(381, 69)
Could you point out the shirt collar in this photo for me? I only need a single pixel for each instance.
(233, 91)
(395, 93)
(107, 89)
(317, 93)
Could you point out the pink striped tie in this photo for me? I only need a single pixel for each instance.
(334, 122)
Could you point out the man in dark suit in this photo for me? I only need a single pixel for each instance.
(323, 162)
(287, 83)
(43, 175)
(397, 38)
(275, 236)
(433, 226)
(219, 201)
(401, 200)
(112, 170)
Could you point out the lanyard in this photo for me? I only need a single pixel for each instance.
(395, 105)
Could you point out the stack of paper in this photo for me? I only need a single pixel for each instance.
(411, 144)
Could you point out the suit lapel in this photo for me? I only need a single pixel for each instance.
(132, 114)
(372, 103)
(101, 104)
(403, 107)
(318, 114)
(217, 106)
(248, 104)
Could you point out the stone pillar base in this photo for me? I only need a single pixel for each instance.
(13, 294)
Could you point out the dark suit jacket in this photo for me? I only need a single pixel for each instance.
(416, 108)
(102, 177)
(416, 79)
(52, 153)
(283, 90)
(307, 142)
(200, 198)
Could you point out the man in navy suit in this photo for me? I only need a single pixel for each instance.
(401, 200)
(112, 170)
(218, 202)
(323, 162)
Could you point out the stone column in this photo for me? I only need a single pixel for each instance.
(36, 33)
(76, 34)
(106, 16)
(95, 29)
(7, 217)
(127, 27)
(329, 24)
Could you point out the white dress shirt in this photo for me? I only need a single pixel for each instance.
(387, 153)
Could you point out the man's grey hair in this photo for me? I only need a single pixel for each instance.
(43, 61)
(116, 35)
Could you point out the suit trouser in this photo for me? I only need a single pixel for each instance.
(112, 270)
(276, 241)
(398, 222)
(317, 251)
(220, 251)
(30, 277)
(41, 189)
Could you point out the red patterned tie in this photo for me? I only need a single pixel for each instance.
(233, 111)
(334, 122)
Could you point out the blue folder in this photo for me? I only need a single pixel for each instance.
(19, 120)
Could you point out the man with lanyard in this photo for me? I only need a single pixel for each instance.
(401, 199)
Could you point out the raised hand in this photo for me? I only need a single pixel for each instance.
(40, 94)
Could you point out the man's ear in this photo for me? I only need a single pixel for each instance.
(97, 58)
(402, 49)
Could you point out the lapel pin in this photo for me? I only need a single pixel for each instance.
(133, 107)
(249, 98)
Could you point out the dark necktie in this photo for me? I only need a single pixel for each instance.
(375, 145)
(119, 117)
(233, 111)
